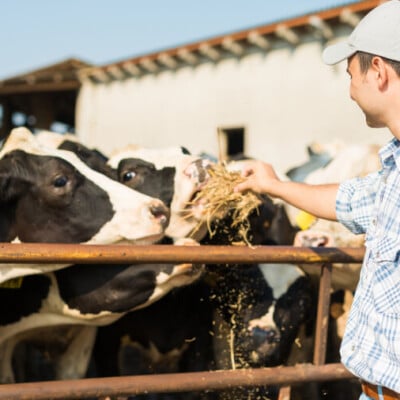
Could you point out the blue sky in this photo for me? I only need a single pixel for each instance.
(36, 33)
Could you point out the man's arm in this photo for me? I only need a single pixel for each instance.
(319, 200)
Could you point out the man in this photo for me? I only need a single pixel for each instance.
(371, 205)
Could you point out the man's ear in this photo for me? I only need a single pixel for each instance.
(380, 71)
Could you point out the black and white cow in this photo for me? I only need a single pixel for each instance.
(50, 196)
(171, 174)
(76, 295)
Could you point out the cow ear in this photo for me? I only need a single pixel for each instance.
(13, 180)
(11, 188)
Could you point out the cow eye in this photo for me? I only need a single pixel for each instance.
(60, 181)
(127, 176)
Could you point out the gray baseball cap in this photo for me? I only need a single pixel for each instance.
(377, 33)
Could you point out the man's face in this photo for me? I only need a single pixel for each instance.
(364, 91)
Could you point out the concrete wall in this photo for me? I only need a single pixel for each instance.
(285, 98)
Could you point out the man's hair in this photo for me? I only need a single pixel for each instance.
(365, 60)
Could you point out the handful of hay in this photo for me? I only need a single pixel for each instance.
(219, 200)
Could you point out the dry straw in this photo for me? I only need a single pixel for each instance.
(219, 199)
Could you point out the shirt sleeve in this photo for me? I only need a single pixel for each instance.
(355, 200)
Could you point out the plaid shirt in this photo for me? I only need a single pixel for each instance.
(371, 345)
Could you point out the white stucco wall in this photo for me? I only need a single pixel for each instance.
(285, 98)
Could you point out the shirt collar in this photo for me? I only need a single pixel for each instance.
(390, 153)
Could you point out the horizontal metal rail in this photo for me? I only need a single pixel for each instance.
(167, 383)
(185, 382)
(95, 254)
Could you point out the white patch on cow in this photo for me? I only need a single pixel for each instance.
(54, 139)
(163, 157)
(132, 220)
(280, 277)
(266, 321)
(184, 222)
(181, 275)
(10, 271)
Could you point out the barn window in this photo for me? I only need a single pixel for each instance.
(231, 143)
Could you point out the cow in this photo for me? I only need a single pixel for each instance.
(150, 284)
(51, 196)
(170, 174)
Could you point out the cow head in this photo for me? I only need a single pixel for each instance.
(272, 325)
(49, 195)
(168, 174)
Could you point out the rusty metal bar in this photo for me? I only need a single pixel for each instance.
(167, 383)
(214, 380)
(94, 254)
(321, 327)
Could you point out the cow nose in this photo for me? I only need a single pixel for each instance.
(264, 335)
(160, 212)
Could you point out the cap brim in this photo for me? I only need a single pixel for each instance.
(337, 52)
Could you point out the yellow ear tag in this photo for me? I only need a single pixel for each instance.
(304, 220)
(14, 283)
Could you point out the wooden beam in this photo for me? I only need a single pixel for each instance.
(84, 75)
(258, 40)
(321, 26)
(188, 56)
(234, 47)
(149, 65)
(40, 87)
(131, 68)
(167, 60)
(349, 17)
(209, 51)
(100, 75)
(116, 72)
(287, 34)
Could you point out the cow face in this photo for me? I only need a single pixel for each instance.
(271, 334)
(145, 178)
(170, 175)
(51, 196)
(260, 309)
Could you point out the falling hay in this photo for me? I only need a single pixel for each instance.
(219, 199)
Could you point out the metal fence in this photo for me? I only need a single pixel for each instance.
(283, 376)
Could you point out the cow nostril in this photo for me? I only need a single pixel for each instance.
(266, 335)
(160, 212)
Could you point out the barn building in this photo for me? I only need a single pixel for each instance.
(263, 92)
(41, 98)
